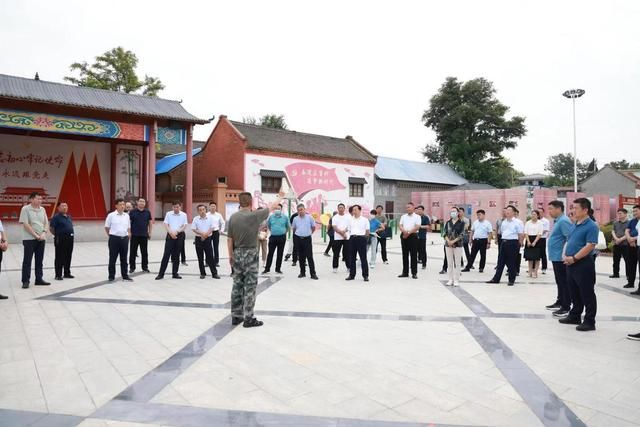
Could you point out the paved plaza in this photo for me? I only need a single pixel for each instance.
(391, 352)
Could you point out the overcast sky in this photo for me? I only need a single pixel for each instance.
(361, 68)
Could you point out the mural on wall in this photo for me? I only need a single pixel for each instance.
(319, 185)
(73, 171)
(128, 171)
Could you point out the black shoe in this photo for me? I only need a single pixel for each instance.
(159, 277)
(300, 276)
(403, 275)
(544, 271)
(58, 278)
(146, 270)
(42, 283)
(472, 267)
(69, 276)
(286, 257)
(279, 272)
(569, 321)
(634, 337)
(443, 272)
(184, 263)
(629, 285)
(350, 278)
(132, 270)
(614, 276)
(555, 306)
(202, 276)
(293, 264)
(25, 285)
(236, 321)
(264, 271)
(466, 270)
(111, 279)
(424, 267)
(635, 292)
(215, 276)
(217, 265)
(414, 276)
(510, 284)
(3, 297)
(252, 323)
(492, 281)
(127, 279)
(481, 270)
(326, 254)
(176, 276)
(560, 313)
(584, 327)
(314, 277)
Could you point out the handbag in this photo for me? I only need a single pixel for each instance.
(4, 245)
(262, 235)
(602, 242)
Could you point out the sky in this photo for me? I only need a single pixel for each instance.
(362, 68)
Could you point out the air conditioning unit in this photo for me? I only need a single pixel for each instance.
(179, 188)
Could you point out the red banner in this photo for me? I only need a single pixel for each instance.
(305, 177)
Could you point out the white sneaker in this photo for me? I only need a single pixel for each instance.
(386, 262)
(335, 270)
(372, 266)
(450, 283)
(456, 284)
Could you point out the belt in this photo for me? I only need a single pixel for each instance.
(64, 235)
(118, 237)
(303, 237)
(358, 235)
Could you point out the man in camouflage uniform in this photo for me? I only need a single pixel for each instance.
(242, 244)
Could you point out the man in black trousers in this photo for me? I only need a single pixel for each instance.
(303, 227)
(409, 225)
(340, 225)
(175, 222)
(512, 233)
(118, 229)
(61, 226)
(358, 236)
(481, 232)
(202, 226)
(141, 224)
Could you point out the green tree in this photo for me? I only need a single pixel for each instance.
(115, 70)
(624, 164)
(275, 121)
(472, 131)
(560, 168)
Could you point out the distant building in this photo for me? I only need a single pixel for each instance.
(613, 182)
(536, 180)
(396, 179)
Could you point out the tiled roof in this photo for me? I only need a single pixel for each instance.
(169, 163)
(409, 170)
(97, 99)
(287, 141)
(164, 150)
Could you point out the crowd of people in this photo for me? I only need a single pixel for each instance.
(568, 241)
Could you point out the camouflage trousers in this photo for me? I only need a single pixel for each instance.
(245, 282)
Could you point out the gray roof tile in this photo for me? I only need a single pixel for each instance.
(287, 141)
(97, 99)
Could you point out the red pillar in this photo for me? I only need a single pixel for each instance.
(114, 161)
(188, 185)
(151, 177)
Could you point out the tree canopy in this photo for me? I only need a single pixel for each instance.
(275, 121)
(624, 164)
(560, 168)
(115, 70)
(472, 131)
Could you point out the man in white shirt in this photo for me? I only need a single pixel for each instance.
(358, 229)
(546, 230)
(340, 225)
(203, 226)
(409, 225)
(512, 232)
(175, 222)
(118, 229)
(218, 227)
(481, 232)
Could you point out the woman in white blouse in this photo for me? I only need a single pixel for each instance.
(533, 231)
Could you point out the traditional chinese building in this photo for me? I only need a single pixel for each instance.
(321, 171)
(84, 146)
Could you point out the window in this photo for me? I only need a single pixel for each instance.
(356, 187)
(356, 190)
(271, 185)
(222, 180)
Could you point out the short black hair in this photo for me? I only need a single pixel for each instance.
(623, 210)
(513, 208)
(356, 206)
(200, 206)
(379, 206)
(341, 204)
(583, 202)
(636, 207)
(481, 211)
(461, 209)
(373, 212)
(141, 198)
(33, 195)
(213, 203)
(280, 204)
(557, 204)
(420, 207)
(176, 203)
(537, 212)
(118, 200)
(410, 203)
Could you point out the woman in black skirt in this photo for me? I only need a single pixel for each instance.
(533, 230)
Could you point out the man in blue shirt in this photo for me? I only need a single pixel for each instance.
(481, 232)
(422, 236)
(303, 227)
(141, 223)
(278, 226)
(581, 267)
(61, 227)
(634, 250)
(562, 227)
(512, 232)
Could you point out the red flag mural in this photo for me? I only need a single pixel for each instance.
(305, 177)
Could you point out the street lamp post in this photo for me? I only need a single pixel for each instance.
(573, 94)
